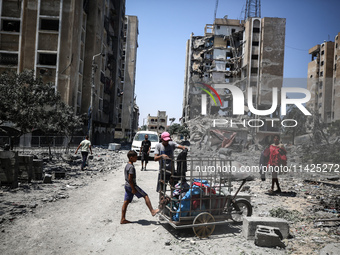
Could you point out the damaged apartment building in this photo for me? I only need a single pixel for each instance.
(324, 81)
(79, 46)
(248, 54)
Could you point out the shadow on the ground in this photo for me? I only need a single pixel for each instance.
(283, 194)
(219, 232)
(145, 222)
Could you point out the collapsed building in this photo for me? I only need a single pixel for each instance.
(246, 54)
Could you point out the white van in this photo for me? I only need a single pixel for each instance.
(140, 136)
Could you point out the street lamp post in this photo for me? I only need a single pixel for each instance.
(92, 94)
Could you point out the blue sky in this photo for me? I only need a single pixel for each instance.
(165, 26)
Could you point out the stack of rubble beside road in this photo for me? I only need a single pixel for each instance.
(309, 201)
(65, 173)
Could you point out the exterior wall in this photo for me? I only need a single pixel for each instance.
(129, 70)
(157, 123)
(336, 80)
(271, 58)
(321, 81)
(59, 39)
(241, 53)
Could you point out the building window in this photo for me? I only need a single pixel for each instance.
(254, 70)
(320, 95)
(322, 63)
(335, 67)
(256, 30)
(47, 59)
(8, 59)
(49, 24)
(10, 25)
(322, 52)
(254, 56)
(254, 43)
(321, 74)
(320, 85)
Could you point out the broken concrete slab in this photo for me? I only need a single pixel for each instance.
(250, 224)
(114, 146)
(266, 236)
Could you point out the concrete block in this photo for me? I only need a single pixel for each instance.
(246, 196)
(37, 169)
(268, 237)
(9, 168)
(250, 224)
(47, 178)
(114, 146)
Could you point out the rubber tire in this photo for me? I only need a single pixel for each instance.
(237, 206)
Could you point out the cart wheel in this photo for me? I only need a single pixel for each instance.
(206, 230)
(240, 209)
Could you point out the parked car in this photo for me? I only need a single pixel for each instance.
(140, 136)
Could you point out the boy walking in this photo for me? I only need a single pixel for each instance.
(132, 189)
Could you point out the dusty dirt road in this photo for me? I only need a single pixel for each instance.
(88, 222)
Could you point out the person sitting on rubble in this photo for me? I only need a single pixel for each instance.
(131, 188)
(277, 159)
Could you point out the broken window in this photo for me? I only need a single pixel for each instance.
(254, 56)
(254, 43)
(321, 74)
(49, 24)
(322, 52)
(11, 25)
(47, 59)
(322, 63)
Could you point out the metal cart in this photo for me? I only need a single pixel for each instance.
(196, 193)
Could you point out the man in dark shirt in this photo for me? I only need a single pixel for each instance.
(144, 151)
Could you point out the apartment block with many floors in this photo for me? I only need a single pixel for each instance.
(323, 81)
(74, 44)
(247, 54)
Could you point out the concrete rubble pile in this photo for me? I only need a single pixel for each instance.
(64, 174)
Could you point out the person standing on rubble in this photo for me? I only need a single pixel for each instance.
(85, 148)
(277, 159)
(164, 153)
(144, 151)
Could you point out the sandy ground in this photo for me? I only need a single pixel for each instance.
(88, 222)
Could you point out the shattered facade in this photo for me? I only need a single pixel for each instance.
(60, 40)
(158, 123)
(324, 80)
(246, 54)
(128, 110)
